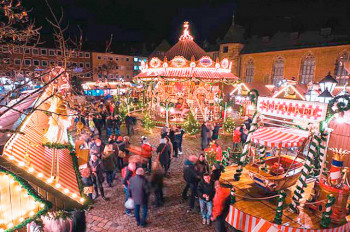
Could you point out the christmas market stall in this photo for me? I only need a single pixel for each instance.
(38, 163)
(185, 79)
(281, 164)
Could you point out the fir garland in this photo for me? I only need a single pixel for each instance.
(232, 193)
(31, 192)
(279, 210)
(326, 215)
(225, 158)
(58, 146)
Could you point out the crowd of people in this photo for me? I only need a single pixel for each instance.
(142, 175)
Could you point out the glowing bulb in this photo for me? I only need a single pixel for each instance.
(2, 230)
(10, 225)
(18, 188)
(50, 180)
(8, 135)
(21, 219)
(26, 195)
(6, 177)
(42, 205)
(40, 175)
(11, 157)
(21, 164)
(74, 195)
(82, 200)
(31, 213)
(30, 170)
(12, 181)
(66, 191)
(58, 185)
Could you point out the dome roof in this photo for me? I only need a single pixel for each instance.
(186, 47)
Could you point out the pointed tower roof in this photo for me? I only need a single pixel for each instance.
(235, 33)
(161, 49)
(186, 47)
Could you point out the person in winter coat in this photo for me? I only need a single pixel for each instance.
(216, 132)
(97, 176)
(109, 125)
(129, 124)
(178, 139)
(139, 190)
(117, 124)
(206, 193)
(204, 135)
(244, 134)
(86, 181)
(127, 173)
(216, 172)
(202, 165)
(221, 206)
(192, 178)
(236, 137)
(157, 183)
(121, 152)
(109, 162)
(163, 151)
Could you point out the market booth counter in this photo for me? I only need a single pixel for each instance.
(277, 161)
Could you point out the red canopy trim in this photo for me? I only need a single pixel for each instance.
(279, 137)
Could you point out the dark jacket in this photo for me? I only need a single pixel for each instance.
(164, 153)
(202, 167)
(178, 136)
(109, 162)
(216, 132)
(139, 189)
(110, 123)
(204, 188)
(157, 179)
(215, 175)
(204, 131)
(190, 175)
(99, 169)
(126, 175)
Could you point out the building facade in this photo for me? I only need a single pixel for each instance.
(137, 64)
(112, 66)
(27, 62)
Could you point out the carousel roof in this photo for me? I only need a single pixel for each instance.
(186, 60)
(186, 47)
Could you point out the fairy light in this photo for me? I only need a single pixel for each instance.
(21, 164)
(31, 169)
(50, 180)
(26, 195)
(21, 219)
(18, 188)
(74, 195)
(10, 225)
(66, 191)
(58, 185)
(42, 205)
(31, 213)
(40, 175)
(11, 157)
(82, 200)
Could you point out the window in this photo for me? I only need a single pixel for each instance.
(307, 68)
(249, 71)
(81, 54)
(35, 51)
(110, 58)
(225, 49)
(52, 63)
(111, 76)
(27, 50)
(127, 59)
(74, 64)
(43, 52)
(27, 62)
(122, 76)
(44, 63)
(87, 54)
(16, 50)
(59, 52)
(59, 63)
(81, 65)
(17, 62)
(5, 48)
(277, 71)
(135, 59)
(36, 62)
(51, 52)
(341, 74)
(116, 67)
(99, 57)
(116, 59)
(127, 76)
(74, 54)
(87, 65)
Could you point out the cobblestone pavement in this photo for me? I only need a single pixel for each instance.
(109, 216)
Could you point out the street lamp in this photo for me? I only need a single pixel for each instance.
(311, 94)
(327, 85)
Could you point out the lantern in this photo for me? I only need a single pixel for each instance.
(329, 83)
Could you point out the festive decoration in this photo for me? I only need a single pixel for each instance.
(225, 158)
(279, 210)
(24, 203)
(210, 154)
(229, 125)
(233, 197)
(191, 125)
(326, 216)
(147, 122)
(58, 146)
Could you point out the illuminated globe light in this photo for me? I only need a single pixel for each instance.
(31, 169)
(31, 213)
(21, 219)
(10, 225)
(58, 185)
(192, 64)
(18, 188)
(155, 62)
(162, 109)
(74, 195)
(224, 63)
(229, 109)
(40, 175)
(66, 191)
(21, 164)
(172, 110)
(11, 157)
(82, 200)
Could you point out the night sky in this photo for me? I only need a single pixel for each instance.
(138, 24)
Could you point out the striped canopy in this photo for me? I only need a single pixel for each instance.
(279, 137)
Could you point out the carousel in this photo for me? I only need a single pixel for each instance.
(185, 79)
(281, 181)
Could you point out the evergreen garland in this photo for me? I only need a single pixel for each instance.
(191, 125)
(58, 146)
(279, 210)
(326, 215)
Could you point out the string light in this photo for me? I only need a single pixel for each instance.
(11, 157)
(50, 180)
(21, 164)
(66, 191)
(21, 219)
(40, 175)
(31, 213)
(10, 225)
(74, 195)
(18, 188)
(31, 169)
(82, 200)
(58, 185)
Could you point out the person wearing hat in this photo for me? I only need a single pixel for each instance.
(163, 152)
(192, 178)
(109, 162)
(139, 191)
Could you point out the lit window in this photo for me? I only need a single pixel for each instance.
(307, 70)
(35, 51)
(341, 74)
(249, 71)
(87, 54)
(277, 71)
(51, 52)
(43, 52)
(27, 62)
(17, 62)
(135, 59)
(225, 49)
(44, 63)
(36, 63)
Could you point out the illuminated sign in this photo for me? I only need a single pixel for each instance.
(292, 109)
(205, 61)
(155, 62)
(225, 63)
(178, 61)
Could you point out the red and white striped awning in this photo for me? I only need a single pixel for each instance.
(279, 137)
